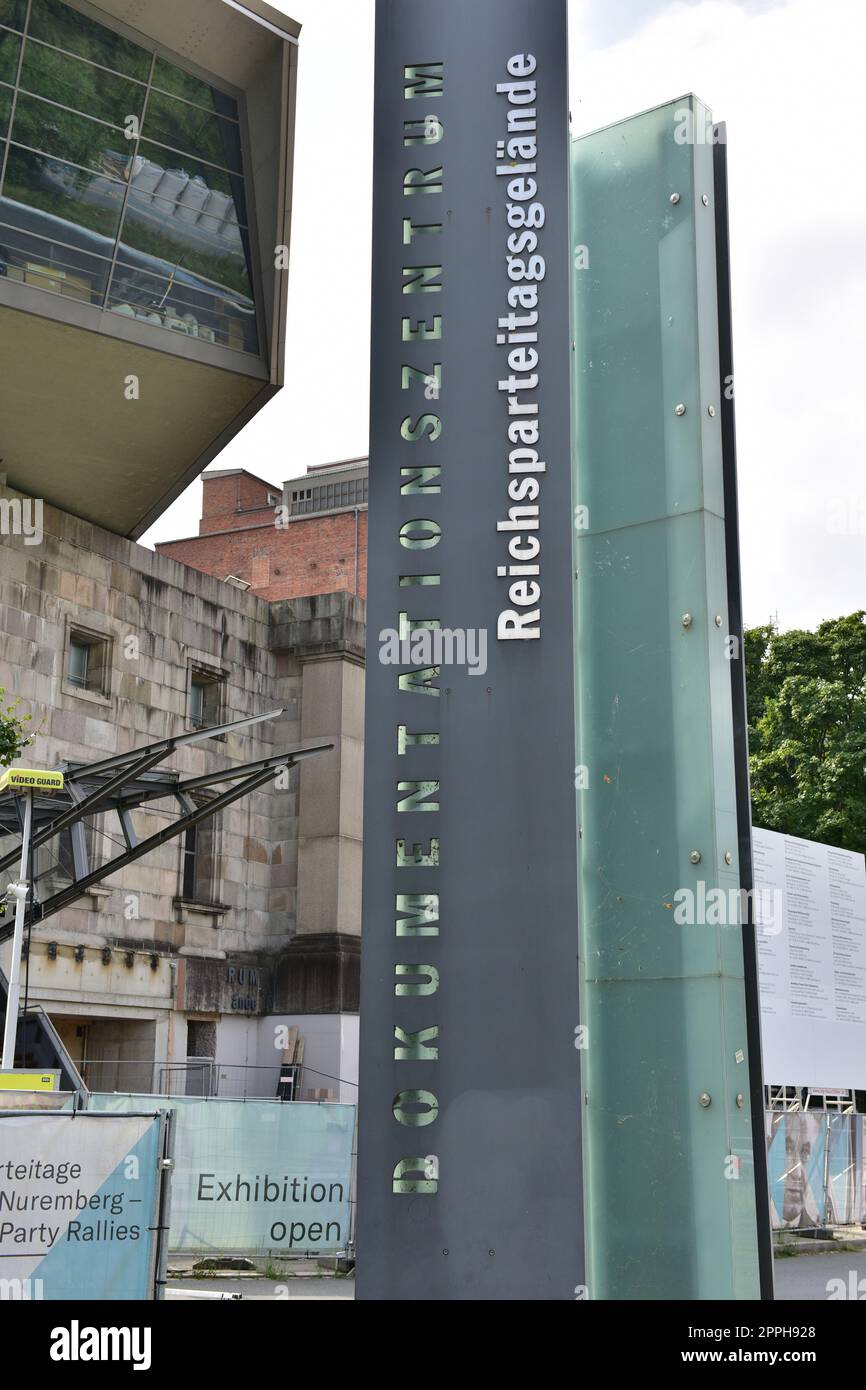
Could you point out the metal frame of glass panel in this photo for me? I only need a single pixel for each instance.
(116, 270)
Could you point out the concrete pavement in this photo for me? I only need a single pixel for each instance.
(809, 1277)
(307, 1288)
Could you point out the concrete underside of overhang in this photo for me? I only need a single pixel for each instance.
(70, 435)
(214, 34)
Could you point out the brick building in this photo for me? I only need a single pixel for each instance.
(310, 538)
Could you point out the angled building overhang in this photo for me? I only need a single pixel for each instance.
(113, 401)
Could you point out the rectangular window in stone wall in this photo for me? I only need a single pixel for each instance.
(199, 862)
(88, 662)
(205, 699)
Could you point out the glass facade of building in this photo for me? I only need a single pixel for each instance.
(121, 178)
(330, 497)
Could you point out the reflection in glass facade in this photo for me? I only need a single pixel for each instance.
(121, 178)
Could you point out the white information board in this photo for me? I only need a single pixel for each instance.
(812, 961)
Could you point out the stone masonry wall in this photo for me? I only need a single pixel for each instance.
(161, 618)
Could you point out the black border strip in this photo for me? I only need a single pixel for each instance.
(739, 706)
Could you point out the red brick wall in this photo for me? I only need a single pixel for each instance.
(236, 500)
(314, 556)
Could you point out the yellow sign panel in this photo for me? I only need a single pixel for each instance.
(24, 779)
(29, 1080)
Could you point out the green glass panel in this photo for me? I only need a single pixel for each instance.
(168, 78)
(47, 263)
(670, 1185)
(5, 111)
(69, 82)
(12, 13)
(196, 132)
(77, 139)
(69, 195)
(213, 215)
(184, 255)
(60, 25)
(10, 48)
(182, 168)
(159, 230)
(183, 303)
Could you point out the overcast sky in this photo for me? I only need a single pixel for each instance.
(787, 77)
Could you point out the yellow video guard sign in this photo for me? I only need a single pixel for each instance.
(29, 1080)
(24, 779)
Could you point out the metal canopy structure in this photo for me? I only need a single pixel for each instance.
(121, 785)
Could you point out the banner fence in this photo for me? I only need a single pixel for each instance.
(81, 1203)
(256, 1176)
(816, 1169)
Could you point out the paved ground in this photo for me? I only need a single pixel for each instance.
(807, 1276)
(798, 1278)
(206, 1290)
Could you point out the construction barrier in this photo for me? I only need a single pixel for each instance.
(816, 1169)
(256, 1176)
(82, 1203)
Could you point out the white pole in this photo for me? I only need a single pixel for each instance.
(19, 891)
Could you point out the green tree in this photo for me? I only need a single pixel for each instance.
(14, 734)
(807, 730)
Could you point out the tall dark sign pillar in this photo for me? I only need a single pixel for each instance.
(469, 1147)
